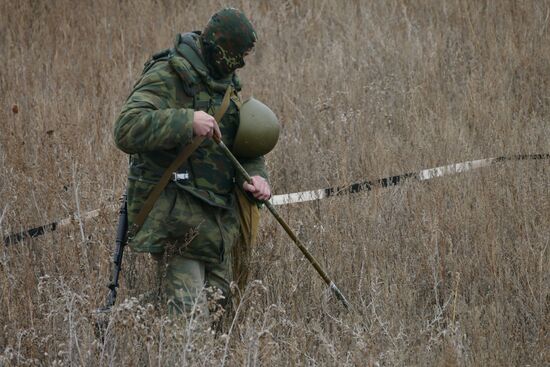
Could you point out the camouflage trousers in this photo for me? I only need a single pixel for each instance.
(193, 286)
(189, 280)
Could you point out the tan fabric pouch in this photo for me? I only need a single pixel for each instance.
(249, 215)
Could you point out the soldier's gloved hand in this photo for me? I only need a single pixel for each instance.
(205, 125)
(259, 189)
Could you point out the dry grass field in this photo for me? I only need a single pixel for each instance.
(450, 272)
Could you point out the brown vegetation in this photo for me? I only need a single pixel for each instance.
(454, 271)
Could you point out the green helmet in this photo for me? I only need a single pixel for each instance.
(226, 38)
(258, 130)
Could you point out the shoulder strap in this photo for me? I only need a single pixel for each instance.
(161, 55)
(180, 159)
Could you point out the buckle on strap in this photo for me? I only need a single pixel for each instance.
(180, 176)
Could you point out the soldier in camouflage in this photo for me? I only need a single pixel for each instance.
(194, 223)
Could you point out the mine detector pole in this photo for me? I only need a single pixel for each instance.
(289, 231)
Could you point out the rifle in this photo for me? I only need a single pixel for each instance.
(121, 241)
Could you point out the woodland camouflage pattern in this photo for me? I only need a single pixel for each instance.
(185, 281)
(226, 38)
(196, 217)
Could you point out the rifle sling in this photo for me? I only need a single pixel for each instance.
(180, 159)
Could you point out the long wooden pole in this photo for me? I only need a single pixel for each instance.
(287, 229)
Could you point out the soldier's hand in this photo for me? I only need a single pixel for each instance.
(259, 189)
(205, 125)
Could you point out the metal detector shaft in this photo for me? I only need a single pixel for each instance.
(287, 229)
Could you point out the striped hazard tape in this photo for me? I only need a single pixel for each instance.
(427, 174)
(304, 196)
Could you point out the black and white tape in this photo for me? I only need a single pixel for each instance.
(304, 196)
(427, 174)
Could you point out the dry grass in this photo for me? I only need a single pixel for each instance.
(450, 272)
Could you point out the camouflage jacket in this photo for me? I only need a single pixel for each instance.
(156, 123)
